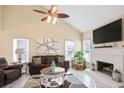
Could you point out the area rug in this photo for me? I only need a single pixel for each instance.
(71, 82)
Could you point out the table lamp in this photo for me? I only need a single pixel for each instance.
(19, 52)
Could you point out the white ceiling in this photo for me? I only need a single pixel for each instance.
(89, 17)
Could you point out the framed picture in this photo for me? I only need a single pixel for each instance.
(47, 46)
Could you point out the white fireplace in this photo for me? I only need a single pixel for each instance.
(114, 55)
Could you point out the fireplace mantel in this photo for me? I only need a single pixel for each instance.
(109, 51)
(113, 55)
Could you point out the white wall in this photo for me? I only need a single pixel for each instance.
(87, 35)
(0, 17)
(21, 21)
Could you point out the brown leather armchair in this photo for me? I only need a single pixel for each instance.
(9, 73)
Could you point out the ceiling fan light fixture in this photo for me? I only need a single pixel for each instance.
(55, 20)
(49, 18)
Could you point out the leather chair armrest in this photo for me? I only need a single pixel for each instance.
(1, 73)
(15, 66)
(2, 77)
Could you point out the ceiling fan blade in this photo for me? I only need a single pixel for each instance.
(43, 19)
(39, 11)
(62, 15)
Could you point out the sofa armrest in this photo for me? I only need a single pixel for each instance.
(66, 65)
(66, 62)
(17, 66)
(2, 77)
(30, 64)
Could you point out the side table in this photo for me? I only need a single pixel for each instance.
(25, 66)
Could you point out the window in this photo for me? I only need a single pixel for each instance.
(69, 49)
(87, 50)
(21, 43)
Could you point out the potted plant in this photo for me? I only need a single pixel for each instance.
(79, 57)
(79, 61)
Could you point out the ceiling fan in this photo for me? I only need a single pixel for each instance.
(52, 14)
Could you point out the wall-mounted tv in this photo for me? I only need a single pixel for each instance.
(109, 33)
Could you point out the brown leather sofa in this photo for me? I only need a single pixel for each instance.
(8, 73)
(46, 62)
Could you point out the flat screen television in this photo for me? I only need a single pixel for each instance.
(109, 33)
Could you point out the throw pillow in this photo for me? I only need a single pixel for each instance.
(3, 63)
(60, 59)
(37, 60)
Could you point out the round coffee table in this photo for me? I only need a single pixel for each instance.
(52, 79)
(58, 70)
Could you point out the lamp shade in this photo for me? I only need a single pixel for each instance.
(19, 51)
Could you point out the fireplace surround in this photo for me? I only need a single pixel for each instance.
(114, 55)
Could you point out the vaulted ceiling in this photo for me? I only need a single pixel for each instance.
(82, 17)
(89, 17)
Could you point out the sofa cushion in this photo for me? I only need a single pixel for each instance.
(37, 61)
(48, 59)
(3, 63)
(60, 59)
